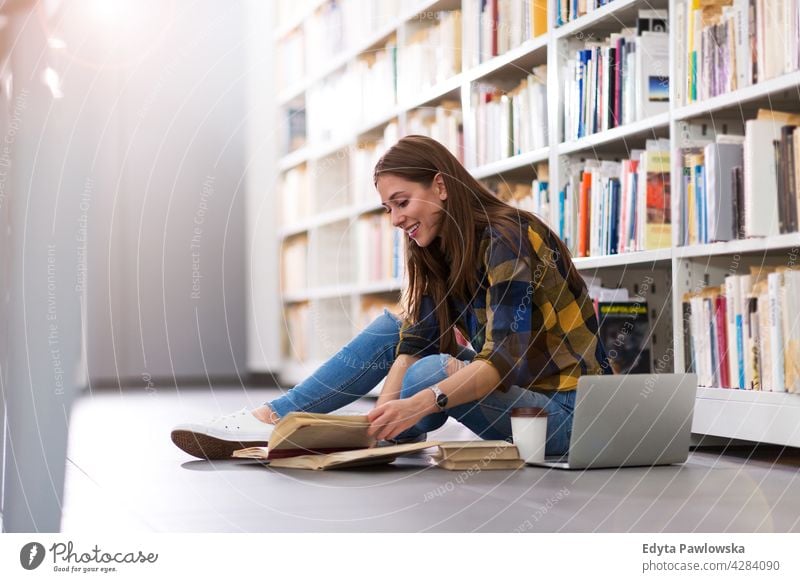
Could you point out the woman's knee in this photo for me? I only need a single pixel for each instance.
(429, 370)
(423, 373)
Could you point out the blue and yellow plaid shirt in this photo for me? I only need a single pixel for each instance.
(526, 320)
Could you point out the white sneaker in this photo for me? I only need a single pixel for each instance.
(220, 436)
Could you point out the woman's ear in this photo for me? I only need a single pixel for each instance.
(441, 190)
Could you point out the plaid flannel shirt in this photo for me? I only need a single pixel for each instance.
(525, 319)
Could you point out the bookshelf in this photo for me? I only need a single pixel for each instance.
(338, 297)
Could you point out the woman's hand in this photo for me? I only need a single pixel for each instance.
(391, 418)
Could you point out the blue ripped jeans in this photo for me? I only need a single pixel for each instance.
(360, 365)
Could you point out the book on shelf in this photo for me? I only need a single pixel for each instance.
(363, 92)
(725, 45)
(625, 333)
(569, 10)
(297, 332)
(295, 123)
(380, 249)
(510, 122)
(377, 72)
(372, 307)
(431, 55)
(363, 159)
(493, 27)
(745, 334)
(614, 207)
(477, 456)
(742, 186)
(290, 63)
(363, 457)
(294, 263)
(443, 123)
(615, 81)
(295, 195)
(530, 196)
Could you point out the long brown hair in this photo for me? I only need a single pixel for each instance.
(451, 268)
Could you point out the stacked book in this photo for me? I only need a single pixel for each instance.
(742, 186)
(511, 122)
(745, 333)
(616, 81)
(725, 45)
(493, 27)
(609, 207)
(477, 456)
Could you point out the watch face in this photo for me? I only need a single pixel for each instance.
(441, 400)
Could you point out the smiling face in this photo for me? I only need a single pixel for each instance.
(415, 209)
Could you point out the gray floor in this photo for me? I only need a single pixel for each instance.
(124, 475)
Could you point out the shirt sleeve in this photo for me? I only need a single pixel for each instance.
(512, 312)
(421, 338)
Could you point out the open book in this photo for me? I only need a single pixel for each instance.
(303, 433)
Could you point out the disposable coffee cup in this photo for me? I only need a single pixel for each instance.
(529, 431)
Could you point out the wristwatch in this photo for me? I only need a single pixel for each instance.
(441, 397)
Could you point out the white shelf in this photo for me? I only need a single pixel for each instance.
(622, 259)
(509, 164)
(645, 128)
(294, 158)
(326, 292)
(376, 287)
(750, 245)
(311, 153)
(534, 47)
(345, 290)
(734, 99)
(767, 417)
(317, 220)
(438, 92)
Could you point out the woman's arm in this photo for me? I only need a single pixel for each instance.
(394, 379)
(468, 384)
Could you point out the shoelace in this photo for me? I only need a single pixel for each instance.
(228, 417)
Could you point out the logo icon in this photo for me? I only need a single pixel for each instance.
(31, 555)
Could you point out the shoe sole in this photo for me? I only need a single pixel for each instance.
(207, 447)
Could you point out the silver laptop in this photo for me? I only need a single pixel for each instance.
(630, 420)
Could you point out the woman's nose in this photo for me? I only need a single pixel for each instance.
(397, 219)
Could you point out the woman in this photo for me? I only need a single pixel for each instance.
(477, 269)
